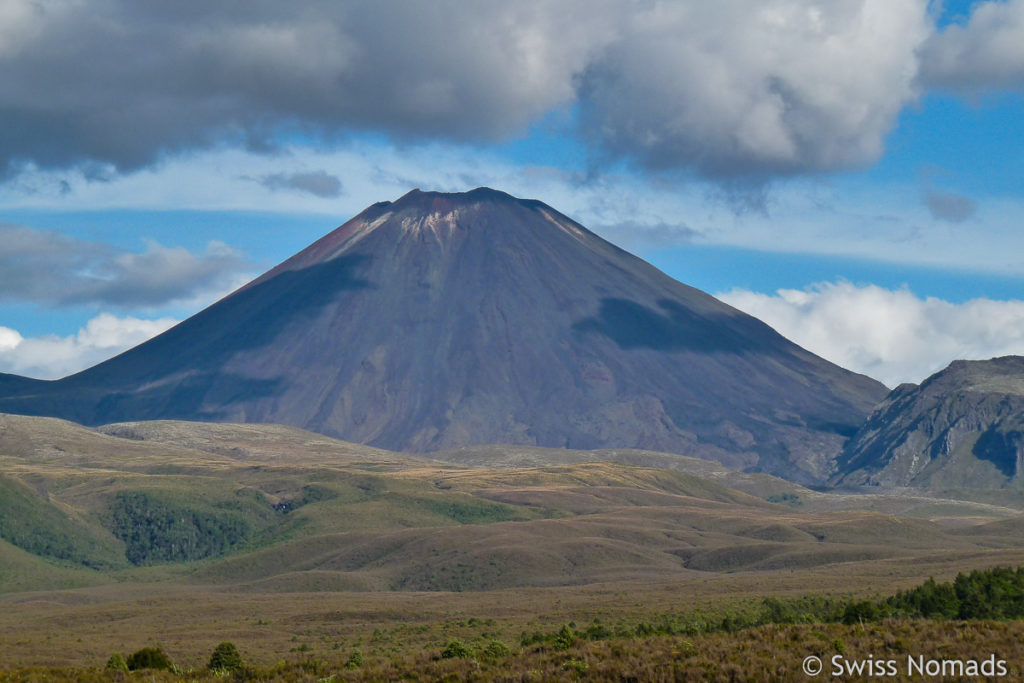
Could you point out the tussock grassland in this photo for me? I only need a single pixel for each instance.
(304, 550)
(473, 650)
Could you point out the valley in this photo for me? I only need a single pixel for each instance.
(296, 545)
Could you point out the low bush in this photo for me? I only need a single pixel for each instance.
(456, 649)
(149, 658)
(225, 658)
(355, 660)
(116, 663)
(494, 650)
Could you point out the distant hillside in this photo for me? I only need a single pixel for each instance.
(265, 508)
(961, 428)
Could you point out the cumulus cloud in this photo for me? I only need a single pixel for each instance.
(53, 357)
(317, 183)
(891, 335)
(49, 268)
(985, 53)
(123, 81)
(729, 88)
(737, 88)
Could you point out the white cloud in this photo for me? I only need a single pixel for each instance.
(53, 357)
(9, 339)
(891, 335)
(736, 88)
(985, 53)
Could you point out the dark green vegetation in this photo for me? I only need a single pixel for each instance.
(157, 528)
(116, 663)
(149, 658)
(32, 522)
(992, 594)
(989, 594)
(225, 657)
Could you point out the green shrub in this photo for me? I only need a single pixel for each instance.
(495, 650)
(858, 612)
(225, 658)
(526, 639)
(116, 663)
(598, 631)
(355, 660)
(456, 649)
(565, 638)
(577, 666)
(149, 658)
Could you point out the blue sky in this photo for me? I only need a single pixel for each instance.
(851, 171)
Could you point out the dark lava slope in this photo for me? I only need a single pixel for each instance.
(963, 427)
(445, 320)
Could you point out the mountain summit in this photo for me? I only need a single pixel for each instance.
(963, 427)
(446, 320)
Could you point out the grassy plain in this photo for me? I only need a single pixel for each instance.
(302, 550)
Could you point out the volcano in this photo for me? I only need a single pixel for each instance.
(447, 320)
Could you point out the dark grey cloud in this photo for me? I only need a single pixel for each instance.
(125, 81)
(948, 206)
(734, 88)
(317, 183)
(48, 268)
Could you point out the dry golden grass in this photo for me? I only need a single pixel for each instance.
(81, 628)
(401, 555)
(767, 653)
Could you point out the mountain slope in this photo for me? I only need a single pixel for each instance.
(445, 320)
(962, 427)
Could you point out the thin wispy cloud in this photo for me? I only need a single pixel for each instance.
(317, 183)
(950, 206)
(634, 235)
(48, 268)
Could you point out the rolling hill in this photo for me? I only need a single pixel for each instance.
(264, 508)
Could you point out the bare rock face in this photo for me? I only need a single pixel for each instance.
(962, 427)
(446, 320)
